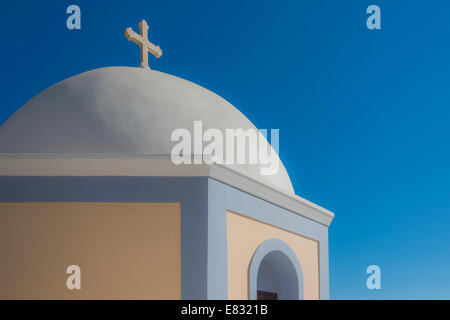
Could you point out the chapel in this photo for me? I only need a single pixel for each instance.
(87, 179)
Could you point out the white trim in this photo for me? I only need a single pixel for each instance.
(151, 165)
(261, 252)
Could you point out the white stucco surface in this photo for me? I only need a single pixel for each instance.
(121, 110)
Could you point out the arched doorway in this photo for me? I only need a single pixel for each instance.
(275, 272)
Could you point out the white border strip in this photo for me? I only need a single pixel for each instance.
(155, 165)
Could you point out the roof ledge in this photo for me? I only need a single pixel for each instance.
(151, 165)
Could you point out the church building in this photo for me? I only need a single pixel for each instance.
(92, 205)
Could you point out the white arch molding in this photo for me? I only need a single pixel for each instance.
(285, 266)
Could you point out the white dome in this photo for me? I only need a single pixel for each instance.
(121, 110)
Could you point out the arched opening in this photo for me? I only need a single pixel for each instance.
(275, 272)
(277, 278)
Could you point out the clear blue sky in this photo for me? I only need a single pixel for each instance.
(363, 115)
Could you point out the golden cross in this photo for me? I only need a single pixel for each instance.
(142, 41)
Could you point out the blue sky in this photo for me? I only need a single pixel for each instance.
(363, 114)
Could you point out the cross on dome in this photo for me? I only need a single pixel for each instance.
(142, 41)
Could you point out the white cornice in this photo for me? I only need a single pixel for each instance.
(151, 165)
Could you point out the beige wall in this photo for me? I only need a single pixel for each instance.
(124, 250)
(244, 237)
